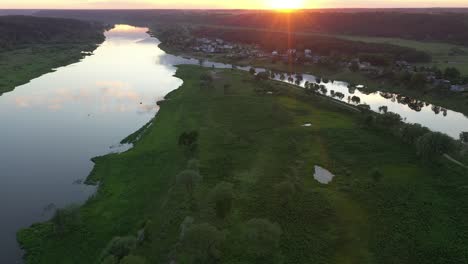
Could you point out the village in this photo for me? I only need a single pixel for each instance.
(450, 80)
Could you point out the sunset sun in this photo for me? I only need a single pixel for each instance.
(286, 4)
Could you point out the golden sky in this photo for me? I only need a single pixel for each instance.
(241, 4)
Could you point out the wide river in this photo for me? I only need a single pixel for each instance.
(54, 125)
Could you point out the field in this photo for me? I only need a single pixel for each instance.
(20, 65)
(251, 135)
(443, 54)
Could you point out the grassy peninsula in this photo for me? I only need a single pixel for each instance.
(225, 174)
(32, 46)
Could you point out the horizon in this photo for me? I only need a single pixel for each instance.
(237, 5)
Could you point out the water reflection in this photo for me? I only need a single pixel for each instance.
(322, 175)
(412, 110)
(52, 126)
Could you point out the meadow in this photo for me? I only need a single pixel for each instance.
(225, 174)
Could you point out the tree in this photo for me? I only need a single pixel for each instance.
(452, 74)
(282, 77)
(119, 247)
(464, 137)
(411, 132)
(389, 120)
(222, 196)
(383, 109)
(189, 140)
(356, 99)
(262, 76)
(202, 243)
(262, 238)
(323, 89)
(188, 178)
(434, 144)
(133, 260)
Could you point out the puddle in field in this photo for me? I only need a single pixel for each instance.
(322, 175)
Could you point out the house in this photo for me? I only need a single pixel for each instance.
(307, 52)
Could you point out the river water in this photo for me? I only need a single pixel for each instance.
(53, 126)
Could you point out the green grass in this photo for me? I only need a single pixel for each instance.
(415, 214)
(22, 64)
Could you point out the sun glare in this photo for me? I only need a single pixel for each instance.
(286, 5)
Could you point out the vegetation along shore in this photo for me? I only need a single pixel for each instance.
(225, 174)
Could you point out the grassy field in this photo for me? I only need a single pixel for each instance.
(443, 54)
(20, 65)
(251, 135)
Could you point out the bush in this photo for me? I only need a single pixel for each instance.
(119, 247)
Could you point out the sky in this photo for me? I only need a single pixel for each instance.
(215, 4)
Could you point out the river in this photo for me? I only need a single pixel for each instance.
(54, 125)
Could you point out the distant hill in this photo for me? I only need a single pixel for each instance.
(442, 25)
(21, 30)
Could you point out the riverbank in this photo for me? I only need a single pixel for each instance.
(448, 100)
(250, 135)
(20, 65)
